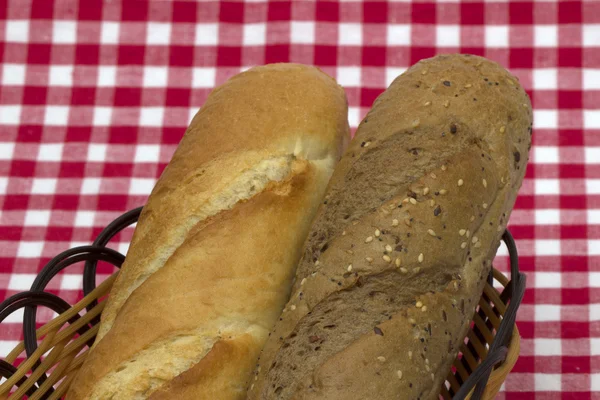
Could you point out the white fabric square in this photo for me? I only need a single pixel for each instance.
(158, 33)
(398, 35)
(6, 151)
(191, 114)
(545, 35)
(155, 76)
(254, 35)
(547, 312)
(594, 279)
(447, 36)
(16, 317)
(61, 75)
(547, 347)
(90, 186)
(10, 115)
(592, 155)
(547, 382)
(303, 32)
(592, 186)
(64, 32)
(3, 185)
(548, 280)
(350, 34)
(102, 116)
(123, 247)
(591, 119)
(595, 347)
(545, 78)
(594, 312)
(13, 74)
(37, 218)
(96, 152)
(71, 282)
(43, 186)
(50, 152)
(591, 78)
(147, 153)
(84, 218)
(594, 247)
(349, 76)
(207, 34)
(204, 77)
(547, 247)
(22, 282)
(353, 116)
(28, 250)
(593, 217)
(17, 31)
(547, 186)
(591, 37)
(141, 186)
(545, 119)
(151, 116)
(107, 76)
(110, 33)
(547, 217)
(496, 36)
(6, 346)
(546, 154)
(391, 74)
(56, 115)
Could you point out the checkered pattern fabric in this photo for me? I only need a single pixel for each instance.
(95, 95)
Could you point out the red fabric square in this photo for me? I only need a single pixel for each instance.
(570, 99)
(569, 12)
(87, 54)
(327, 11)
(375, 12)
(325, 55)
(277, 53)
(229, 56)
(131, 55)
(423, 13)
(182, 56)
(472, 13)
(279, 11)
(231, 12)
(134, 10)
(184, 11)
(42, 9)
(34, 95)
(570, 57)
(521, 13)
(90, 11)
(38, 53)
(374, 56)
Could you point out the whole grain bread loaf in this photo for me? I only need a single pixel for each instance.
(398, 255)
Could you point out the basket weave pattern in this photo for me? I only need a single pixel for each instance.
(60, 346)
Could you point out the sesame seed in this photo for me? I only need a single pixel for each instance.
(367, 144)
(446, 103)
(349, 268)
(255, 377)
(502, 129)
(399, 373)
(468, 85)
(427, 361)
(292, 307)
(475, 239)
(303, 281)
(252, 386)
(369, 239)
(484, 206)
(478, 244)
(398, 262)
(394, 222)
(431, 232)
(472, 218)
(443, 191)
(388, 248)
(420, 257)
(455, 285)
(419, 304)
(349, 252)
(416, 123)
(462, 232)
(484, 183)
(317, 263)
(412, 321)
(417, 270)
(460, 182)
(468, 233)
(392, 206)
(443, 167)
(410, 355)
(368, 259)
(407, 221)
(424, 308)
(412, 201)
(377, 232)
(354, 223)
(427, 103)
(387, 258)
(432, 377)
(427, 368)
(432, 202)
(463, 245)
(403, 270)
(433, 175)
(344, 233)
(425, 190)
(405, 201)
(381, 359)
(424, 72)
(499, 228)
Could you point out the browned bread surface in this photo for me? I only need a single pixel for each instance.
(212, 259)
(397, 257)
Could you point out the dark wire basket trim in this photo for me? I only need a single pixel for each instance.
(31, 299)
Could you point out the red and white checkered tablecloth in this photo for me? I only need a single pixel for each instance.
(95, 95)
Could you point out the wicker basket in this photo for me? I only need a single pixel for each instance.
(55, 352)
